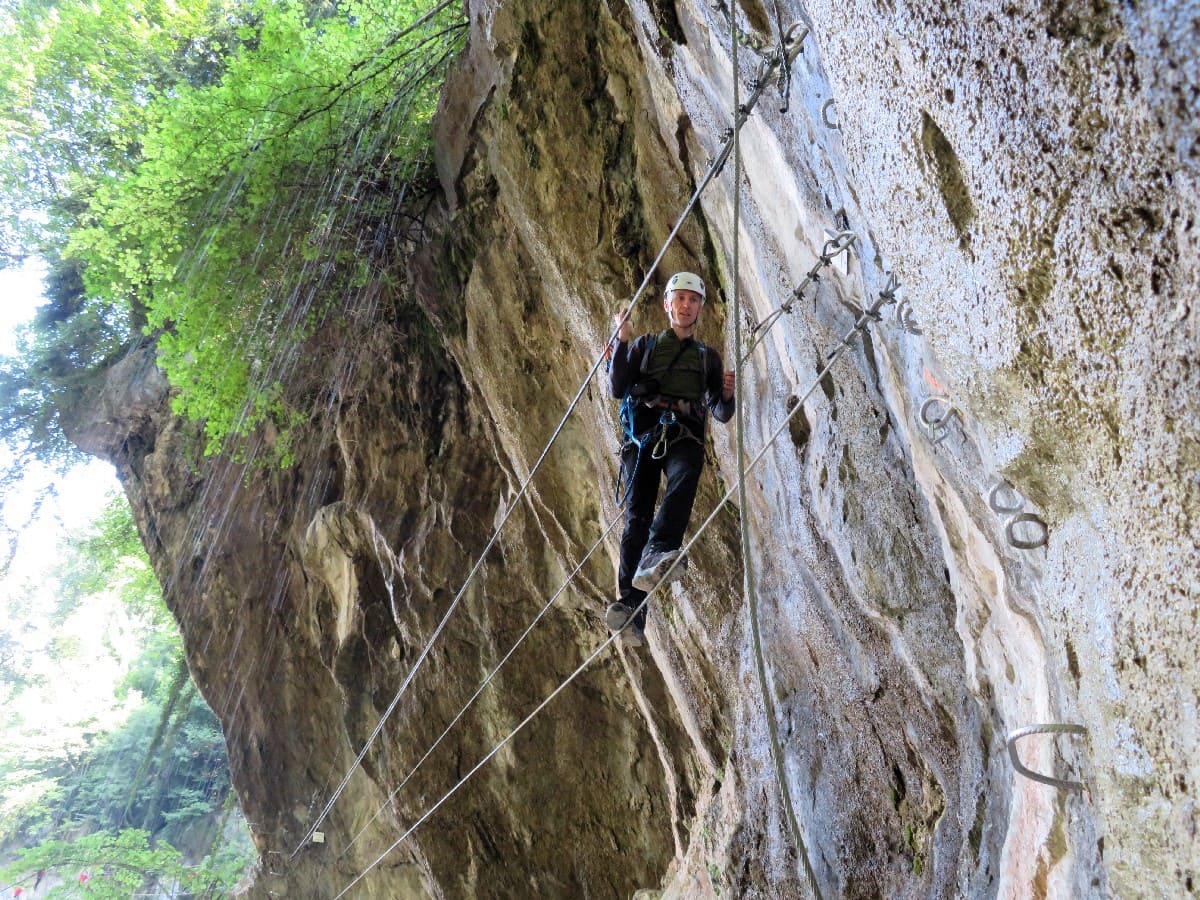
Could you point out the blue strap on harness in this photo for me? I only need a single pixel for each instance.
(667, 419)
(626, 417)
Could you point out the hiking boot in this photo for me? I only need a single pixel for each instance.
(654, 566)
(617, 615)
(633, 636)
(618, 618)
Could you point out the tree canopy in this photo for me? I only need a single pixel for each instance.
(216, 174)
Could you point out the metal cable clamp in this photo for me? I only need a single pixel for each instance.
(766, 66)
(1014, 736)
(890, 288)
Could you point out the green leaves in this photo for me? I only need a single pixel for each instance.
(224, 172)
(233, 227)
(148, 755)
(102, 865)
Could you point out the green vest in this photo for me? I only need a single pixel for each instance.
(678, 367)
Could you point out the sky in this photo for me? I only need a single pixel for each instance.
(20, 295)
(85, 490)
(78, 498)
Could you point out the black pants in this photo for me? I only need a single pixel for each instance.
(645, 530)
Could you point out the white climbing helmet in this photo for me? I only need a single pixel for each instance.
(685, 281)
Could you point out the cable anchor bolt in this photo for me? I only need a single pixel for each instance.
(794, 39)
(836, 244)
(840, 242)
(1014, 736)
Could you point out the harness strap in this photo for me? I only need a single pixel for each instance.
(671, 409)
(687, 408)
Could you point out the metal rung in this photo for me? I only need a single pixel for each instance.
(938, 429)
(1014, 736)
(996, 501)
(1010, 531)
(829, 123)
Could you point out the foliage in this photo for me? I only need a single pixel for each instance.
(162, 772)
(76, 79)
(108, 556)
(219, 172)
(117, 866)
(69, 339)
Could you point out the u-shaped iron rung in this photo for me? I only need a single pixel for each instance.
(1010, 531)
(1013, 508)
(937, 429)
(1014, 736)
(996, 502)
(906, 318)
(829, 123)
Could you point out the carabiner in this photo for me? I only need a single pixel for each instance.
(665, 421)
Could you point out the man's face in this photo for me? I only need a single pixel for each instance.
(683, 307)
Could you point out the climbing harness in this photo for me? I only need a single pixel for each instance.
(644, 392)
(669, 418)
(1014, 736)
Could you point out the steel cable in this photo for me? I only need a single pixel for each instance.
(768, 66)
(865, 318)
(748, 586)
(486, 681)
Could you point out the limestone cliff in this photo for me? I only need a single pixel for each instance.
(1028, 172)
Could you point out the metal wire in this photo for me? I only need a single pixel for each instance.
(865, 318)
(486, 681)
(770, 64)
(748, 587)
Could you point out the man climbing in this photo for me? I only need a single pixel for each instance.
(670, 382)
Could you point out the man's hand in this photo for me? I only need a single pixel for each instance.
(625, 331)
(727, 386)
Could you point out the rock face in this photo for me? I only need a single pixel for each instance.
(1028, 172)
